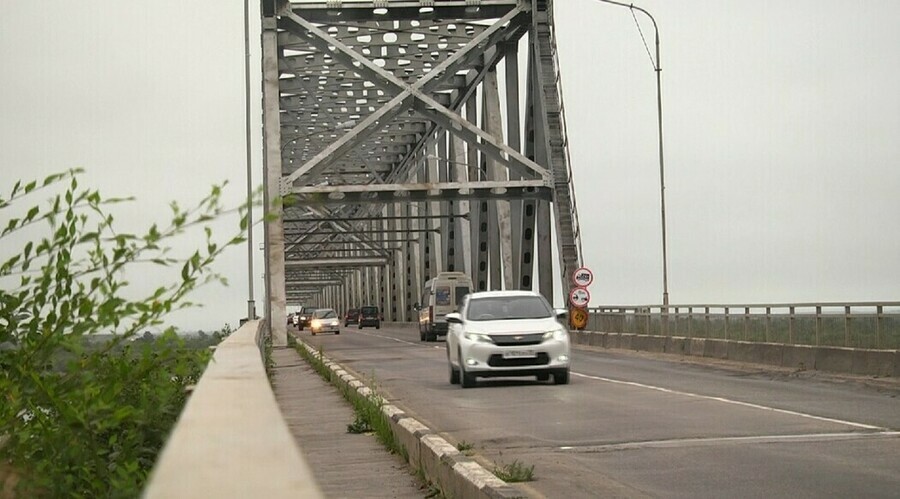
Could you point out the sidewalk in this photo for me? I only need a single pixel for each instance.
(344, 464)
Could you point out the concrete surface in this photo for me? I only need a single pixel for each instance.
(345, 464)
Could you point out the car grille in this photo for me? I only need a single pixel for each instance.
(497, 360)
(517, 339)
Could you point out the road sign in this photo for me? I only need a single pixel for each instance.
(583, 277)
(578, 318)
(579, 297)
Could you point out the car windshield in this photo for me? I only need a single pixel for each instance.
(508, 308)
(352, 312)
(325, 314)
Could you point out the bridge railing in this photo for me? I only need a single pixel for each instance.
(231, 439)
(873, 325)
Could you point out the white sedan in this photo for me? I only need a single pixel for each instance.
(507, 333)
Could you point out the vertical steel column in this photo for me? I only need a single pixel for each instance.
(478, 219)
(426, 245)
(500, 228)
(274, 228)
(514, 134)
(543, 216)
(463, 248)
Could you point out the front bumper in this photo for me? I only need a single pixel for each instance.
(486, 360)
(326, 328)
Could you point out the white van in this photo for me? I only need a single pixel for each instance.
(441, 296)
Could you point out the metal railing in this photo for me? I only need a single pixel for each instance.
(874, 325)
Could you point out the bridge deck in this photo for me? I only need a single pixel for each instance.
(344, 464)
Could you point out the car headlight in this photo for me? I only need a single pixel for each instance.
(302, 317)
(478, 337)
(556, 334)
(316, 323)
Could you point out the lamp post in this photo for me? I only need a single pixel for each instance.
(251, 304)
(662, 177)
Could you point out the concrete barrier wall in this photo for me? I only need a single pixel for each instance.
(831, 359)
(231, 440)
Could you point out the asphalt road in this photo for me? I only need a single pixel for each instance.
(633, 425)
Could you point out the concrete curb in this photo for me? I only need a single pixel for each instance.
(456, 474)
(857, 361)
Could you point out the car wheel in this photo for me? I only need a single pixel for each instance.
(337, 332)
(421, 333)
(466, 380)
(561, 377)
(378, 326)
(313, 333)
(454, 373)
(543, 377)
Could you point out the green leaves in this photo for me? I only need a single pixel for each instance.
(86, 418)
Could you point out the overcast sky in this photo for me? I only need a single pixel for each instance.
(781, 128)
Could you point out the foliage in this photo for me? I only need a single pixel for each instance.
(465, 447)
(515, 471)
(89, 421)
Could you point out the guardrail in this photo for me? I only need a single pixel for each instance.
(231, 439)
(869, 325)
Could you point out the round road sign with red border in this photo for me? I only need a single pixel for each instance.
(579, 297)
(583, 277)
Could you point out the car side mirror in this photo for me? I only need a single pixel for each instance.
(453, 318)
(561, 313)
(416, 307)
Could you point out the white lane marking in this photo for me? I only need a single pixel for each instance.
(760, 439)
(733, 402)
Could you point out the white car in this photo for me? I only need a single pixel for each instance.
(325, 320)
(507, 333)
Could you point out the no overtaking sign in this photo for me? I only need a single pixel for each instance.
(583, 277)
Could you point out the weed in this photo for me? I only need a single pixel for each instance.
(514, 472)
(465, 447)
(359, 425)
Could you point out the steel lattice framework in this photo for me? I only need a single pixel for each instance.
(397, 156)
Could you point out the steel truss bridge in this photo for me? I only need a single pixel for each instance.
(408, 137)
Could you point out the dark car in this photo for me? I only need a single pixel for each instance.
(351, 317)
(306, 315)
(369, 316)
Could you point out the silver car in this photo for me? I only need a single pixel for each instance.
(325, 320)
(507, 333)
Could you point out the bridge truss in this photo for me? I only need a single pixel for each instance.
(404, 140)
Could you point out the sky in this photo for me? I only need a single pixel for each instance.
(781, 124)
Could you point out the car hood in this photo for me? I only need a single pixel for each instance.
(514, 326)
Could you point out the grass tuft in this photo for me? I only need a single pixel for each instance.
(515, 471)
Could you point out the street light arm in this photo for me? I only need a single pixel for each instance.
(656, 64)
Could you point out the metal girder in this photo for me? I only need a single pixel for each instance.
(336, 262)
(368, 91)
(404, 94)
(322, 195)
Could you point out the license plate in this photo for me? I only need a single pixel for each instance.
(519, 354)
